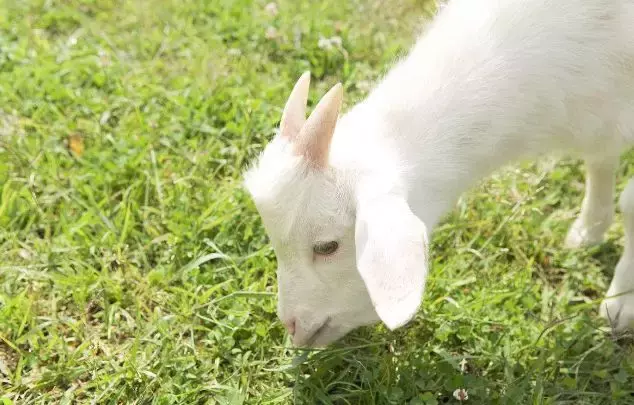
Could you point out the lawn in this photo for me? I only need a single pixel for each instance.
(134, 268)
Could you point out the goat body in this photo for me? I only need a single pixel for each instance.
(489, 82)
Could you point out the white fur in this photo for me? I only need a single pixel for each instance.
(489, 82)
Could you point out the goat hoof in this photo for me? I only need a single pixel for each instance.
(580, 236)
(619, 311)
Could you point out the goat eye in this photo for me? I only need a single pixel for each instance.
(326, 249)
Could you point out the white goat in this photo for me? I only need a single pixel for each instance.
(349, 203)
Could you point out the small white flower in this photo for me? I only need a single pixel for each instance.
(271, 33)
(72, 40)
(461, 394)
(330, 43)
(336, 41)
(104, 58)
(271, 9)
(324, 43)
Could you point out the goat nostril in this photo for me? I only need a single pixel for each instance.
(290, 326)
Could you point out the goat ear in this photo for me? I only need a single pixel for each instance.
(294, 114)
(313, 141)
(391, 250)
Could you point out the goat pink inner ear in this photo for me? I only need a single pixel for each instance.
(313, 141)
(294, 114)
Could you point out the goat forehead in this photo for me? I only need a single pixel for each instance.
(301, 223)
(302, 212)
(297, 204)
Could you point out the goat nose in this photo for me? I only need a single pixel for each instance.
(290, 326)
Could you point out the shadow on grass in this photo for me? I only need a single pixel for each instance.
(608, 254)
(573, 363)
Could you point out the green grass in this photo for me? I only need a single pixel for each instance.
(137, 270)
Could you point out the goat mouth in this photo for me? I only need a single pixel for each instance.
(318, 332)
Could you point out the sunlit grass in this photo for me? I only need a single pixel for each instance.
(134, 268)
